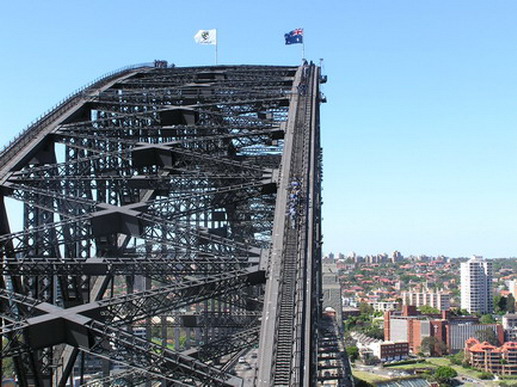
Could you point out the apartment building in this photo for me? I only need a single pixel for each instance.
(436, 299)
(489, 358)
(476, 285)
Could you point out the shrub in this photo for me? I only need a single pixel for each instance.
(486, 376)
(352, 352)
(443, 374)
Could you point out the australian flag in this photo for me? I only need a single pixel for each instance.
(295, 36)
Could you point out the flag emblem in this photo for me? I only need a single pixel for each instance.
(206, 37)
(294, 36)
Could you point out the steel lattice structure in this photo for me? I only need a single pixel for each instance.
(179, 202)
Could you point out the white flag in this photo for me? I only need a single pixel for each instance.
(206, 37)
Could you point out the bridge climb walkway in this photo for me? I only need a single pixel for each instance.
(283, 361)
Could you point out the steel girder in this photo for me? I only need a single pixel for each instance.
(226, 345)
(160, 267)
(173, 174)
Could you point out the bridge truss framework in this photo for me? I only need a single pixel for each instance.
(174, 203)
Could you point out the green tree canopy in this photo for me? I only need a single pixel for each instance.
(457, 358)
(7, 363)
(510, 303)
(500, 304)
(488, 335)
(504, 304)
(487, 319)
(352, 352)
(486, 376)
(460, 312)
(426, 309)
(365, 308)
(406, 278)
(374, 331)
(431, 345)
(443, 374)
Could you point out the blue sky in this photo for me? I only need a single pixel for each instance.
(419, 134)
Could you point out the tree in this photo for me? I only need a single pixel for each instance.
(457, 358)
(443, 374)
(8, 366)
(365, 308)
(487, 319)
(374, 331)
(486, 376)
(432, 346)
(510, 303)
(460, 312)
(352, 352)
(426, 309)
(488, 335)
(504, 304)
(406, 278)
(7, 363)
(500, 303)
(427, 345)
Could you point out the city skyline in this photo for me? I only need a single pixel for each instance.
(389, 254)
(418, 132)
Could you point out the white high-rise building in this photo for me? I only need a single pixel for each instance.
(437, 299)
(476, 285)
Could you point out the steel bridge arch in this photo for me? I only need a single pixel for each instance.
(169, 201)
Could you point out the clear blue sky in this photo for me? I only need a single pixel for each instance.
(419, 133)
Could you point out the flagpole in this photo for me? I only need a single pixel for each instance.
(303, 44)
(216, 44)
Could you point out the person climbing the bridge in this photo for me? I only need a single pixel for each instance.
(294, 199)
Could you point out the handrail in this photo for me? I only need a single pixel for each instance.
(38, 124)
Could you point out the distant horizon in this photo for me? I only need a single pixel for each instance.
(326, 254)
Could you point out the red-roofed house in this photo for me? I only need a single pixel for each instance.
(497, 360)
